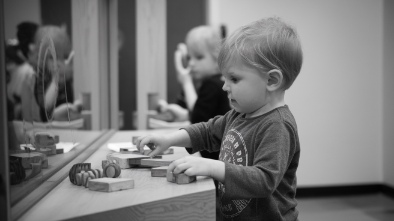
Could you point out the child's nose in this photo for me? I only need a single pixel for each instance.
(225, 87)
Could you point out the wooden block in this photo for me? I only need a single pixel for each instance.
(85, 177)
(184, 179)
(45, 138)
(155, 162)
(32, 157)
(159, 171)
(47, 150)
(87, 182)
(180, 178)
(111, 184)
(147, 152)
(124, 160)
(78, 178)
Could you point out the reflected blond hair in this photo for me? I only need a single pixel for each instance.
(208, 36)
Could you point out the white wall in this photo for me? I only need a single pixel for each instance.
(27, 11)
(337, 99)
(388, 94)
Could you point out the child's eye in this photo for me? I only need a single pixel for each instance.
(234, 79)
(199, 57)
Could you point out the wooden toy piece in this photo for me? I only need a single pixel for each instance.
(78, 178)
(78, 168)
(112, 170)
(17, 172)
(85, 177)
(47, 150)
(35, 169)
(45, 142)
(155, 162)
(99, 173)
(170, 177)
(126, 160)
(180, 178)
(146, 152)
(159, 171)
(111, 184)
(91, 174)
(95, 173)
(45, 138)
(184, 179)
(33, 157)
(87, 182)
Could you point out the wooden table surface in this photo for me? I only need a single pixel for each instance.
(153, 198)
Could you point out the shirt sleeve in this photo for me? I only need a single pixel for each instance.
(207, 135)
(270, 162)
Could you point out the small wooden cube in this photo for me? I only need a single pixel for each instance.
(155, 162)
(111, 184)
(48, 150)
(159, 171)
(45, 138)
(180, 178)
(125, 160)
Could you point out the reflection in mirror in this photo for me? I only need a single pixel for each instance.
(46, 125)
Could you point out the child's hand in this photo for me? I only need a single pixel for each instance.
(157, 143)
(192, 166)
(183, 73)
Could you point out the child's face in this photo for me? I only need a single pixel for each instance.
(246, 88)
(201, 62)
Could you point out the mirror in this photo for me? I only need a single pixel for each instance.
(49, 121)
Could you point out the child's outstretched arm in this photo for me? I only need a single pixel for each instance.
(163, 142)
(198, 166)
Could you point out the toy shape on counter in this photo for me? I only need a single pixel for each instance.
(155, 162)
(180, 178)
(110, 184)
(82, 168)
(111, 170)
(35, 169)
(159, 171)
(146, 152)
(17, 171)
(126, 160)
(32, 157)
(45, 142)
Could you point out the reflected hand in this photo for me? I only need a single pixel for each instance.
(183, 74)
(180, 113)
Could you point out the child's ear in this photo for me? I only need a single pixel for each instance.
(275, 78)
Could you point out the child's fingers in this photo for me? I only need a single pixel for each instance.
(178, 166)
(154, 152)
(141, 142)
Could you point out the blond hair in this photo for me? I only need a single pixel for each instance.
(265, 44)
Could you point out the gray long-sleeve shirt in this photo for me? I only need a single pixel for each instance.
(261, 156)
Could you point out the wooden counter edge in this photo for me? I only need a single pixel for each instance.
(195, 206)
